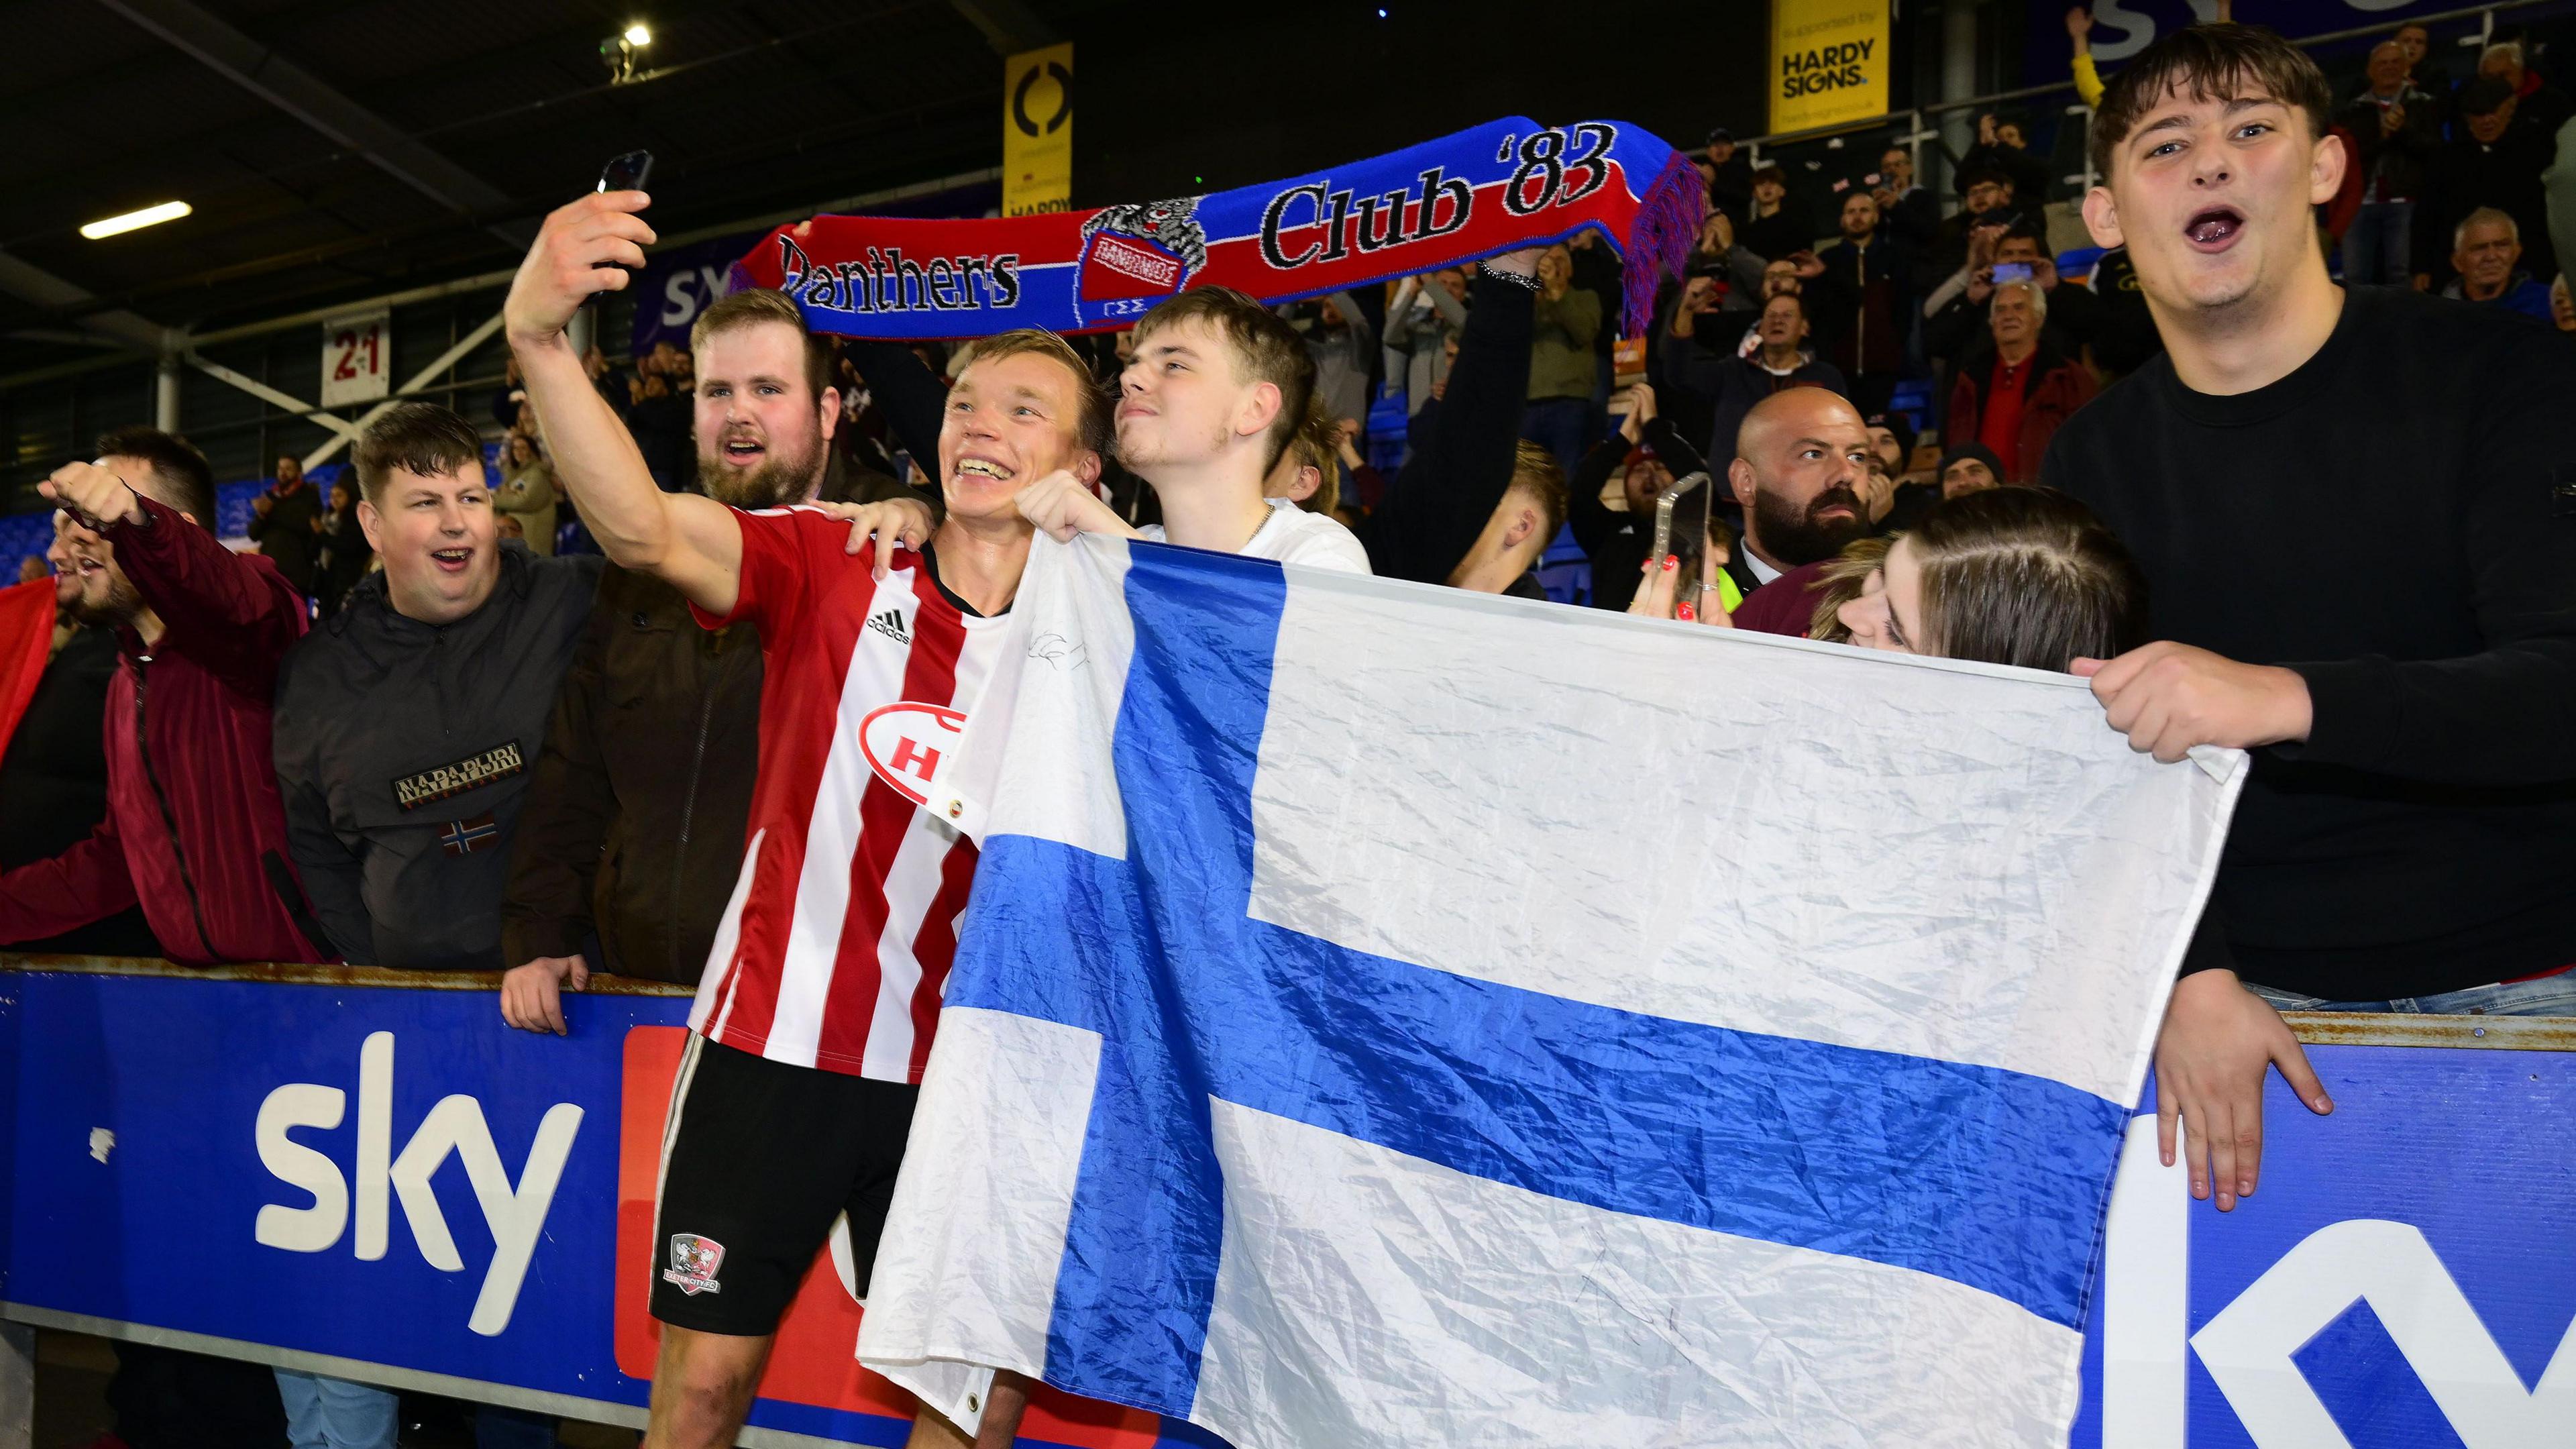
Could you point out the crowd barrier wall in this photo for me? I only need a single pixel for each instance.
(364, 1173)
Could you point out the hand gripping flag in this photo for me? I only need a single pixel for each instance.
(1513, 183)
(1393, 1016)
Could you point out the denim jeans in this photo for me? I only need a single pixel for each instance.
(328, 1413)
(2544, 996)
(324, 1413)
(2376, 247)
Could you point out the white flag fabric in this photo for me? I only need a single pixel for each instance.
(1392, 1016)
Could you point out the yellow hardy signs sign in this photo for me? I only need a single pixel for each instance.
(1829, 62)
(1037, 131)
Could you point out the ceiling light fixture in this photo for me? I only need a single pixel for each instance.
(618, 52)
(133, 220)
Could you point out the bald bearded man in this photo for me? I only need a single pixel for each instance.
(1801, 459)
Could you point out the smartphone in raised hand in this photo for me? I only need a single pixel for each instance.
(624, 173)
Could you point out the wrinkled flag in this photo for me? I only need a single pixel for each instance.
(1393, 1016)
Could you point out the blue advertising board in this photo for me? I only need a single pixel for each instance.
(386, 1182)
(2403, 1276)
(339, 1172)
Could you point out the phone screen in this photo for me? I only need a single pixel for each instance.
(2011, 272)
(626, 173)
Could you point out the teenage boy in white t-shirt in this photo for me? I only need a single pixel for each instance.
(1214, 394)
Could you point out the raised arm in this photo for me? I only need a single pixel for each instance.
(1439, 503)
(691, 541)
(233, 615)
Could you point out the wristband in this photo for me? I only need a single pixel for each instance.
(1526, 284)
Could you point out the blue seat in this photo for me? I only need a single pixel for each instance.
(1913, 397)
(1386, 434)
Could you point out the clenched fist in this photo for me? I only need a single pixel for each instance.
(92, 494)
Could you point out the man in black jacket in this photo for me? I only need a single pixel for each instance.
(1864, 303)
(1781, 360)
(2489, 162)
(2350, 509)
(286, 523)
(1730, 174)
(1910, 214)
(2003, 147)
(406, 723)
(1647, 454)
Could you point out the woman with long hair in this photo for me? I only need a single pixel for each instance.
(2023, 576)
(528, 490)
(345, 551)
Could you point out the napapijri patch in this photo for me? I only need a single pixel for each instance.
(695, 1261)
(890, 624)
(441, 781)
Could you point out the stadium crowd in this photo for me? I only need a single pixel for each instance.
(459, 717)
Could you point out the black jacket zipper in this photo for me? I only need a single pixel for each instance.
(169, 818)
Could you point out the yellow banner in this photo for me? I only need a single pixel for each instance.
(1829, 62)
(1037, 130)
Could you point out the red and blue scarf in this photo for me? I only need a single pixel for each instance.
(1497, 188)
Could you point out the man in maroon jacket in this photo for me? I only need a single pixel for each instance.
(194, 829)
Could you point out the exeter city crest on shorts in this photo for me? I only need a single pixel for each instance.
(695, 1261)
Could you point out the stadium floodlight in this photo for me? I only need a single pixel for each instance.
(134, 220)
(638, 34)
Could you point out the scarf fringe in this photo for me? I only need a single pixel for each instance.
(1660, 239)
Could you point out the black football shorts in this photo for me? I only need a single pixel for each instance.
(758, 1158)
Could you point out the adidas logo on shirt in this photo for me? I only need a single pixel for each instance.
(890, 624)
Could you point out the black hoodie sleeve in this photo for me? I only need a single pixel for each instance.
(1439, 503)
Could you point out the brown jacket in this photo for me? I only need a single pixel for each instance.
(634, 817)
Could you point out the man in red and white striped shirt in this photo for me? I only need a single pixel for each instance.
(822, 990)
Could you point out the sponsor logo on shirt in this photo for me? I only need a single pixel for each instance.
(905, 742)
(442, 781)
(890, 624)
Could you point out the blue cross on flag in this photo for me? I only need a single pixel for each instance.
(1396, 1016)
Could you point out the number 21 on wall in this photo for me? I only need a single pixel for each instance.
(355, 357)
(361, 352)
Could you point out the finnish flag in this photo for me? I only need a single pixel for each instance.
(1393, 1016)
